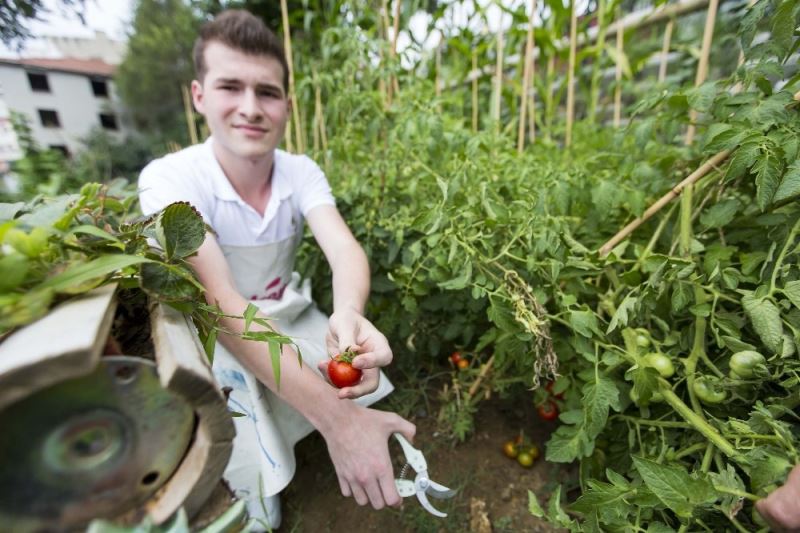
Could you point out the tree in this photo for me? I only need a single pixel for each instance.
(157, 64)
(15, 13)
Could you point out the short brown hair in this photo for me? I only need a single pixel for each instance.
(243, 31)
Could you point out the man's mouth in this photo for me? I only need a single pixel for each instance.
(251, 128)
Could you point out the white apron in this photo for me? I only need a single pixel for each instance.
(263, 461)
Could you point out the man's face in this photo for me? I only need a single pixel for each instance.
(243, 101)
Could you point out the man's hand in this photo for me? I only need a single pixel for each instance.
(781, 509)
(349, 329)
(358, 443)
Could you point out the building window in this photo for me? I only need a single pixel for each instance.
(100, 88)
(108, 121)
(38, 82)
(60, 148)
(49, 118)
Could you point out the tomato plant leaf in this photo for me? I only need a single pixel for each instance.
(584, 323)
(93, 271)
(768, 169)
(533, 505)
(766, 320)
(598, 397)
(790, 183)
(620, 317)
(180, 230)
(792, 291)
(674, 487)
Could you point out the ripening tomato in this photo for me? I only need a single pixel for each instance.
(341, 371)
(462, 364)
(525, 459)
(548, 411)
(533, 451)
(510, 450)
(455, 357)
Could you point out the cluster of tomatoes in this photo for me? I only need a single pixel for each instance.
(524, 452)
(548, 410)
(459, 361)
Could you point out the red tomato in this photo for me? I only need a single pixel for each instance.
(548, 411)
(455, 357)
(341, 371)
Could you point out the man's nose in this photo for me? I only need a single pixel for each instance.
(248, 106)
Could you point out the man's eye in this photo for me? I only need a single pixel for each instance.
(227, 87)
(269, 94)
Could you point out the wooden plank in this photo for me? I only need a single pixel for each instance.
(64, 344)
(183, 368)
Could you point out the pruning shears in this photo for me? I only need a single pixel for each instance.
(422, 486)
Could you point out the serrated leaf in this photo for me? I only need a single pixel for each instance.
(674, 487)
(790, 183)
(566, 444)
(742, 159)
(180, 230)
(168, 283)
(792, 291)
(598, 397)
(749, 23)
(681, 296)
(766, 320)
(533, 505)
(461, 281)
(620, 317)
(768, 169)
(783, 26)
(721, 214)
(701, 98)
(583, 322)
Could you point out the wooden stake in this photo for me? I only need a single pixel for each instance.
(394, 86)
(662, 68)
(481, 375)
(594, 91)
(618, 78)
(702, 65)
(287, 44)
(384, 27)
(189, 112)
(738, 87)
(438, 79)
(498, 81)
(548, 105)
(526, 80)
(704, 169)
(573, 46)
(474, 93)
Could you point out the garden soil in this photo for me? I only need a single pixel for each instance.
(492, 489)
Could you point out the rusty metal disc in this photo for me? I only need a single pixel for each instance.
(95, 446)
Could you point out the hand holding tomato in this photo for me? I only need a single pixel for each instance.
(349, 329)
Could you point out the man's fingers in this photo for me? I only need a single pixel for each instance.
(369, 383)
(358, 494)
(375, 495)
(405, 428)
(389, 490)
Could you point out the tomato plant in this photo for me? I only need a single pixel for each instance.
(708, 389)
(661, 363)
(745, 364)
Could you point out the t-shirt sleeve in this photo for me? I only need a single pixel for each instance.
(161, 185)
(315, 189)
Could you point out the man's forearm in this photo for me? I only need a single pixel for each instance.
(351, 279)
(300, 385)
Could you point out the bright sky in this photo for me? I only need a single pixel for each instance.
(111, 16)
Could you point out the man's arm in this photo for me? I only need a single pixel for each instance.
(351, 283)
(357, 437)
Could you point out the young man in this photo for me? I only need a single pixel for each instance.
(256, 199)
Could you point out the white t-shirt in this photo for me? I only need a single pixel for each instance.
(194, 175)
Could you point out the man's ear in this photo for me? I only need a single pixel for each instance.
(197, 96)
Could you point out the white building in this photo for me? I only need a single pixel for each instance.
(9, 147)
(63, 99)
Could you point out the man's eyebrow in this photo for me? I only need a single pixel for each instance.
(228, 80)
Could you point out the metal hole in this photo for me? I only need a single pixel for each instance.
(125, 374)
(149, 478)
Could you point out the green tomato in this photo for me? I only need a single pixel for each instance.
(642, 338)
(661, 363)
(656, 397)
(744, 363)
(708, 389)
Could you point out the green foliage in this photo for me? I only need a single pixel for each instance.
(157, 64)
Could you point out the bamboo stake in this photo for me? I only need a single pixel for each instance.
(573, 46)
(662, 68)
(702, 66)
(474, 93)
(594, 92)
(394, 86)
(618, 78)
(287, 43)
(189, 112)
(481, 375)
(384, 31)
(526, 80)
(704, 169)
(532, 114)
(548, 105)
(498, 81)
